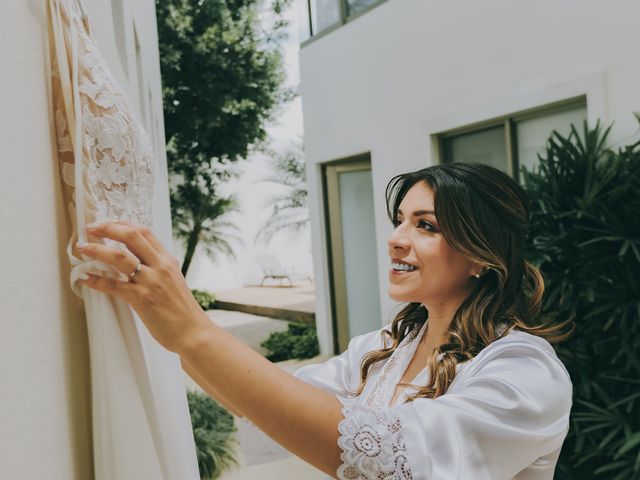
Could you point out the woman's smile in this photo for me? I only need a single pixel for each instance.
(402, 269)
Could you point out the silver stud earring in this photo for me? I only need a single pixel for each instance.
(477, 275)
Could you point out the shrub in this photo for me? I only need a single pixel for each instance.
(205, 299)
(213, 431)
(298, 341)
(585, 237)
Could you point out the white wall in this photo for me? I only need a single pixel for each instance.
(407, 69)
(44, 371)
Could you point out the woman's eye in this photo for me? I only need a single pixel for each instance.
(427, 226)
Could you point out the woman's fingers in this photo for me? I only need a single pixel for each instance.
(127, 291)
(123, 260)
(132, 237)
(153, 241)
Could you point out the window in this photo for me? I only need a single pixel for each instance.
(357, 6)
(322, 16)
(482, 146)
(532, 134)
(511, 142)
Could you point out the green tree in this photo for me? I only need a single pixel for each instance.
(222, 74)
(585, 237)
(290, 209)
(199, 214)
(223, 81)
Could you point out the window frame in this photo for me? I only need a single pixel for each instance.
(344, 19)
(508, 122)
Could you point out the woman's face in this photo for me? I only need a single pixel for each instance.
(442, 274)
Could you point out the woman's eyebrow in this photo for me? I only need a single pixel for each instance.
(417, 213)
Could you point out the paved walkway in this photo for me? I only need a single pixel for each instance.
(288, 468)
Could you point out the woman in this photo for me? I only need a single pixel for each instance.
(461, 385)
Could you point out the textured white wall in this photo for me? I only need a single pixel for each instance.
(408, 69)
(44, 362)
(44, 400)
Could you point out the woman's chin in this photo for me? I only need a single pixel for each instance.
(399, 296)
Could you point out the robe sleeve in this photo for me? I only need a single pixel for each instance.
(508, 409)
(336, 375)
(341, 374)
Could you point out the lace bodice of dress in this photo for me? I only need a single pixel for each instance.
(118, 157)
(117, 170)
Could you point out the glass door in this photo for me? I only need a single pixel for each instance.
(353, 257)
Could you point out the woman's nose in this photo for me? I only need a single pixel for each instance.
(398, 239)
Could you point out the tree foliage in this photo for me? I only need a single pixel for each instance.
(290, 209)
(585, 237)
(199, 214)
(223, 77)
(223, 81)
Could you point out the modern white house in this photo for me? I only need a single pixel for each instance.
(44, 358)
(393, 86)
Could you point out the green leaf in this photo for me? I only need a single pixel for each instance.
(631, 442)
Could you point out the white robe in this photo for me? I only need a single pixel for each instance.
(505, 415)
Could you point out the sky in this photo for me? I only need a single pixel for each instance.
(292, 250)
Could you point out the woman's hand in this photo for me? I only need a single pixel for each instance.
(301, 417)
(158, 292)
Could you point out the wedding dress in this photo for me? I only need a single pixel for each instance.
(140, 418)
(505, 415)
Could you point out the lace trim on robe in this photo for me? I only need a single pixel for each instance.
(372, 443)
(393, 369)
(371, 437)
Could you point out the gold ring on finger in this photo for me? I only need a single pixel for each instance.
(138, 268)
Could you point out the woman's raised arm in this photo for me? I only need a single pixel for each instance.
(302, 418)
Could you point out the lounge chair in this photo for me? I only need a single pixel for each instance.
(271, 268)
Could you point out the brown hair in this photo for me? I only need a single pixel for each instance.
(483, 213)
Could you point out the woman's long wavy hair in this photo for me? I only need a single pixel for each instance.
(483, 213)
